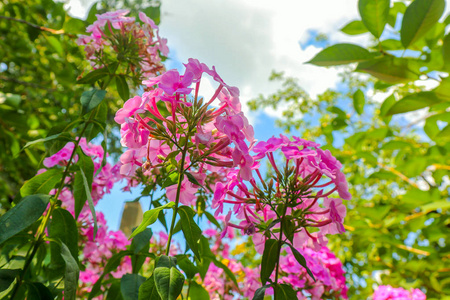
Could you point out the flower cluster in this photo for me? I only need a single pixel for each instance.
(97, 251)
(302, 188)
(327, 269)
(139, 44)
(167, 123)
(104, 178)
(387, 292)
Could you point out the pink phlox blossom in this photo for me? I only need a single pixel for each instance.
(234, 91)
(387, 292)
(172, 83)
(187, 192)
(60, 157)
(197, 68)
(143, 17)
(233, 102)
(131, 107)
(131, 160)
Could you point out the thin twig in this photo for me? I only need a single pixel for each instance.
(53, 31)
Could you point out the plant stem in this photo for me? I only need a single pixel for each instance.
(177, 199)
(280, 244)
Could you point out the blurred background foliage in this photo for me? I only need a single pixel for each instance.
(388, 123)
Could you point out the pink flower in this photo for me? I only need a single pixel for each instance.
(187, 192)
(172, 83)
(131, 107)
(143, 17)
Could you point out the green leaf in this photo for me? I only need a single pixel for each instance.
(419, 17)
(169, 282)
(259, 293)
(147, 290)
(374, 14)
(149, 218)
(75, 26)
(80, 191)
(114, 291)
(387, 104)
(87, 188)
(63, 227)
(192, 179)
(122, 87)
(390, 69)
(154, 13)
(7, 277)
(187, 266)
(359, 101)
(91, 99)
(212, 219)
(42, 183)
(446, 51)
(354, 28)
(49, 138)
(191, 231)
(444, 133)
(38, 291)
(341, 54)
(413, 102)
(141, 240)
(301, 260)
(71, 274)
(227, 271)
(56, 44)
(269, 259)
(285, 292)
(198, 292)
(24, 214)
(129, 286)
(111, 265)
(94, 76)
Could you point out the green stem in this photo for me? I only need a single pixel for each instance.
(177, 199)
(280, 244)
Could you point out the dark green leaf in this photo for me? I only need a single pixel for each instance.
(341, 54)
(111, 265)
(42, 183)
(269, 259)
(114, 292)
(49, 138)
(192, 179)
(7, 277)
(24, 214)
(169, 282)
(38, 291)
(259, 294)
(191, 230)
(212, 219)
(150, 217)
(63, 227)
(122, 87)
(141, 240)
(419, 17)
(80, 192)
(94, 76)
(374, 14)
(129, 286)
(446, 51)
(198, 292)
(71, 274)
(285, 292)
(390, 69)
(91, 99)
(301, 260)
(413, 102)
(187, 266)
(354, 28)
(147, 290)
(87, 188)
(359, 101)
